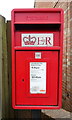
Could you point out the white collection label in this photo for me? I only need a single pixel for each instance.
(38, 77)
(43, 39)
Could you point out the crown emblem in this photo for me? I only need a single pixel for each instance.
(29, 40)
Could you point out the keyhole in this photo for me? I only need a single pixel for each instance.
(22, 80)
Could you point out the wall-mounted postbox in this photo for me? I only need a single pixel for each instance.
(37, 36)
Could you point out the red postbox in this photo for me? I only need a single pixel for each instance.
(37, 41)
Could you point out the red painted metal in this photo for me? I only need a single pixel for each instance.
(30, 21)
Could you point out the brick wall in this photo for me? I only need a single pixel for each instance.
(67, 51)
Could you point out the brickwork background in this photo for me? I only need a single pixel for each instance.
(67, 51)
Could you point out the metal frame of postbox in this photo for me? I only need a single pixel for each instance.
(17, 19)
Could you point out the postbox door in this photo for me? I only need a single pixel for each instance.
(48, 62)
